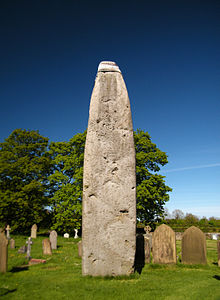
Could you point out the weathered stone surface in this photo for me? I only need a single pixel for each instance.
(109, 179)
(53, 239)
(3, 253)
(79, 248)
(22, 249)
(8, 232)
(218, 247)
(36, 261)
(147, 248)
(46, 247)
(193, 246)
(12, 243)
(34, 231)
(164, 245)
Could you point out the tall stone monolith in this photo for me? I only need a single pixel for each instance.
(109, 179)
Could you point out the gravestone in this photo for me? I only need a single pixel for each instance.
(147, 248)
(22, 249)
(218, 247)
(8, 232)
(53, 239)
(29, 243)
(80, 248)
(148, 234)
(193, 246)
(66, 235)
(34, 231)
(12, 243)
(76, 234)
(46, 247)
(164, 245)
(109, 179)
(3, 253)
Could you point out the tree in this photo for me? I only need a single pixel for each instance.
(24, 168)
(178, 214)
(68, 183)
(152, 193)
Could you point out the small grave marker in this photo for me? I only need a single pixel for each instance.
(29, 243)
(34, 231)
(53, 239)
(76, 234)
(66, 235)
(46, 247)
(8, 232)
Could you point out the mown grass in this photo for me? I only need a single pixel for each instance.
(60, 277)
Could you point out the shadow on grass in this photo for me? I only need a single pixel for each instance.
(4, 292)
(215, 263)
(19, 269)
(216, 277)
(139, 261)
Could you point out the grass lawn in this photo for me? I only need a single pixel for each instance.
(60, 277)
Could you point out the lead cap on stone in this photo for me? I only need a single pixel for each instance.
(108, 66)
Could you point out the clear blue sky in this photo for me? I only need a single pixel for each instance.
(169, 54)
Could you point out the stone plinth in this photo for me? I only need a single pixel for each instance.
(109, 179)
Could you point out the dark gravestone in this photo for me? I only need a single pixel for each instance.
(3, 253)
(193, 246)
(218, 246)
(164, 245)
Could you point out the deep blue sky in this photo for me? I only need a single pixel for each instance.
(169, 55)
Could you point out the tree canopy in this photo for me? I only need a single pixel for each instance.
(24, 168)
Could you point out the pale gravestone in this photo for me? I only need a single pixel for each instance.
(147, 248)
(148, 235)
(109, 179)
(76, 234)
(164, 245)
(193, 246)
(46, 247)
(66, 235)
(8, 232)
(218, 247)
(34, 231)
(53, 239)
(3, 252)
(29, 243)
(79, 248)
(12, 244)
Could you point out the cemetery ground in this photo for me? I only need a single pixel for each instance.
(60, 277)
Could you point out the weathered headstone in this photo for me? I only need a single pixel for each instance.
(76, 234)
(3, 253)
(34, 231)
(109, 179)
(218, 247)
(164, 245)
(147, 248)
(148, 235)
(29, 243)
(66, 235)
(8, 232)
(12, 243)
(53, 239)
(79, 248)
(193, 246)
(46, 247)
(22, 249)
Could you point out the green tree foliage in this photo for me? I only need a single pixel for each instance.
(24, 168)
(68, 183)
(152, 193)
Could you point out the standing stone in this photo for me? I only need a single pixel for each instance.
(46, 247)
(218, 246)
(193, 246)
(53, 239)
(34, 231)
(3, 253)
(12, 244)
(109, 179)
(8, 232)
(29, 243)
(164, 245)
(76, 234)
(80, 248)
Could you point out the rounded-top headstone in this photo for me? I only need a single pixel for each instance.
(108, 66)
(193, 246)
